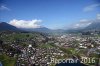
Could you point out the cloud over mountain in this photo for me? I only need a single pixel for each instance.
(86, 22)
(82, 23)
(26, 23)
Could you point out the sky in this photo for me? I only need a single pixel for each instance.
(53, 14)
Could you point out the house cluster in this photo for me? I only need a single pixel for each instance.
(27, 52)
(38, 56)
(91, 44)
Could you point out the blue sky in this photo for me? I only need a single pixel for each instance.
(54, 14)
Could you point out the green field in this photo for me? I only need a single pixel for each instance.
(7, 61)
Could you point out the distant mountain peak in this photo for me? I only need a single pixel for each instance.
(5, 26)
(3, 23)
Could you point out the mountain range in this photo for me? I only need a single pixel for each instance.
(92, 25)
(4, 26)
(87, 26)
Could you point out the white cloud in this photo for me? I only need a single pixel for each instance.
(91, 7)
(83, 23)
(98, 16)
(2, 7)
(83, 20)
(26, 23)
